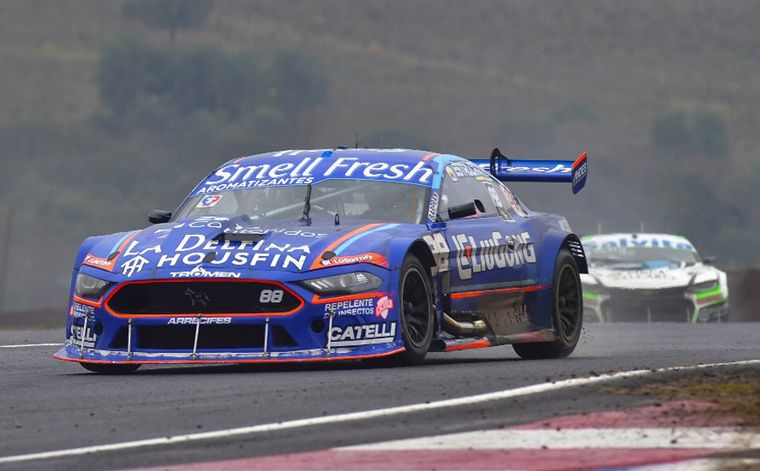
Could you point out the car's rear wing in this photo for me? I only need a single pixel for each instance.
(508, 170)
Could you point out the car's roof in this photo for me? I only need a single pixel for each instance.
(379, 155)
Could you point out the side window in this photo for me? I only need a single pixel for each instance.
(511, 200)
(499, 197)
(465, 184)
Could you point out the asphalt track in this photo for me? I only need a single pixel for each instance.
(47, 405)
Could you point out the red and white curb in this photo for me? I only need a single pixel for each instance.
(669, 433)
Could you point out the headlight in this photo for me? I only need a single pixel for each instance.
(703, 281)
(88, 287)
(347, 283)
(703, 286)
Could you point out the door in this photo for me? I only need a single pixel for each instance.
(487, 259)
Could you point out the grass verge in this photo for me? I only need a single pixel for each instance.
(735, 392)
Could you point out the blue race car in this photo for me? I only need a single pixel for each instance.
(314, 255)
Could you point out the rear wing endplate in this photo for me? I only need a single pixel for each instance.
(509, 170)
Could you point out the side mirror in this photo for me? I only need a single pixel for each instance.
(709, 260)
(157, 216)
(462, 211)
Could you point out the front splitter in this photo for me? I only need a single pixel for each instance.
(74, 353)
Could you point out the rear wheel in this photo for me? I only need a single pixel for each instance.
(111, 369)
(568, 313)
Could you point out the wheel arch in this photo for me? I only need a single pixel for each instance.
(421, 250)
(573, 243)
(399, 248)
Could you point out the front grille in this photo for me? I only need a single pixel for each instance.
(659, 305)
(202, 297)
(210, 337)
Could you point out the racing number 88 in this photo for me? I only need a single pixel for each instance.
(270, 296)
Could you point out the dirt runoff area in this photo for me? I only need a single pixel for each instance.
(734, 394)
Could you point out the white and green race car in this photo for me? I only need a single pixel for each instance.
(651, 278)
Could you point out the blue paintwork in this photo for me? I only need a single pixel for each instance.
(290, 252)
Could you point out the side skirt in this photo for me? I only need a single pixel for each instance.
(545, 335)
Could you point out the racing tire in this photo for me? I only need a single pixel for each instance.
(111, 369)
(416, 313)
(567, 316)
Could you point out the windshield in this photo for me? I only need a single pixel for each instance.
(362, 199)
(641, 257)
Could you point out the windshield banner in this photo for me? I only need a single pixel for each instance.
(299, 169)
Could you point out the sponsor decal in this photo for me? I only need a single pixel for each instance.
(565, 226)
(490, 254)
(556, 168)
(209, 201)
(433, 207)
(638, 275)
(197, 297)
(369, 257)
(365, 334)
(202, 320)
(452, 175)
(630, 242)
(356, 307)
(236, 176)
(133, 265)
(200, 272)
(517, 314)
(497, 201)
(81, 310)
(580, 172)
(193, 248)
(77, 331)
(212, 222)
(384, 305)
(514, 202)
(440, 248)
(263, 231)
(98, 262)
(461, 169)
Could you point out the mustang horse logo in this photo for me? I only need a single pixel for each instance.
(197, 298)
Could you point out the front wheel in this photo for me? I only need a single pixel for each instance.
(111, 369)
(567, 316)
(416, 314)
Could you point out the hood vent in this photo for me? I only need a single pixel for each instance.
(241, 237)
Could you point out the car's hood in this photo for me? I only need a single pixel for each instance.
(657, 278)
(222, 247)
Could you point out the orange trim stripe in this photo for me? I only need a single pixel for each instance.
(482, 343)
(317, 300)
(87, 301)
(429, 155)
(580, 159)
(340, 240)
(520, 289)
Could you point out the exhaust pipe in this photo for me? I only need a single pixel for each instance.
(464, 329)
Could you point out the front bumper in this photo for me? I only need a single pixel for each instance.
(602, 304)
(364, 325)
